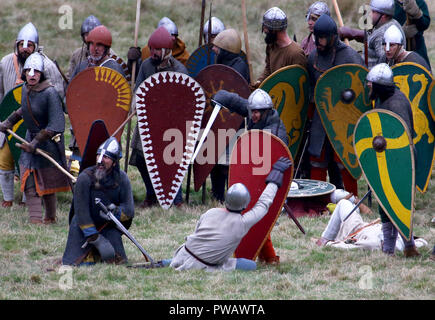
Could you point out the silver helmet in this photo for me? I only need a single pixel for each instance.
(383, 6)
(216, 26)
(381, 74)
(28, 33)
(169, 25)
(318, 8)
(275, 19)
(259, 100)
(89, 24)
(111, 149)
(237, 197)
(392, 35)
(34, 62)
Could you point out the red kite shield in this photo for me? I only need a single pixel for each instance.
(97, 93)
(251, 160)
(212, 79)
(169, 107)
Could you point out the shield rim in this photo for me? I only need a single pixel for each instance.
(429, 100)
(321, 118)
(429, 91)
(312, 195)
(413, 169)
(286, 192)
(293, 66)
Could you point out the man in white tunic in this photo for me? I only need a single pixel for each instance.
(220, 230)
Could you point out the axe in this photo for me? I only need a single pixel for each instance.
(121, 228)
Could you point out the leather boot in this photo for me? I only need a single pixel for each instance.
(33, 203)
(49, 201)
(390, 236)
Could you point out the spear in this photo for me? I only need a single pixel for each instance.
(245, 37)
(201, 30)
(340, 20)
(132, 84)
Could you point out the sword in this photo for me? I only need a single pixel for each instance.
(123, 229)
(357, 205)
(207, 128)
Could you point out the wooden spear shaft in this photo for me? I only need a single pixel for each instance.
(132, 85)
(45, 155)
(245, 37)
(340, 20)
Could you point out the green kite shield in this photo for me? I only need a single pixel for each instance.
(10, 103)
(97, 93)
(385, 153)
(289, 89)
(341, 98)
(251, 160)
(414, 81)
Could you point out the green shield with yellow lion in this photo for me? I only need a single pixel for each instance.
(289, 89)
(414, 82)
(341, 98)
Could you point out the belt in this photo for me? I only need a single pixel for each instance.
(199, 259)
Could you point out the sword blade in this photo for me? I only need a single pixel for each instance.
(207, 128)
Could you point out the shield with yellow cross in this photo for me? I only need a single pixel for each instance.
(414, 81)
(289, 89)
(341, 98)
(10, 103)
(385, 153)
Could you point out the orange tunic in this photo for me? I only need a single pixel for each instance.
(179, 52)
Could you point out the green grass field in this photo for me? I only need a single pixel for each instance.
(28, 253)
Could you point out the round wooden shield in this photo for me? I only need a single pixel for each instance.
(414, 81)
(341, 98)
(383, 146)
(289, 89)
(212, 79)
(10, 103)
(97, 93)
(251, 160)
(169, 107)
(310, 188)
(199, 59)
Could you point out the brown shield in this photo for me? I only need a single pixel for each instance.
(169, 107)
(212, 79)
(97, 93)
(251, 160)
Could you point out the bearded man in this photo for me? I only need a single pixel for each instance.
(106, 181)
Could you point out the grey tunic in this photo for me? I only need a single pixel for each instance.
(79, 55)
(218, 234)
(116, 189)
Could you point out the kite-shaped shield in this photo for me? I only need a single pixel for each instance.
(169, 107)
(212, 79)
(97, 135)
(384, 149)
(341, 98)
(202, 57)
(289, 89)
(97, 93)
(10, 103)
(414, 81)
(251, 160)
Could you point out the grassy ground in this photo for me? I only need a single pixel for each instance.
(28, 253)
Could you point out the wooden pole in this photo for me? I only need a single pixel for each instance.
(45, 155)
(340, 20)
(245, 38)
(132, 85)
(201, 27)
